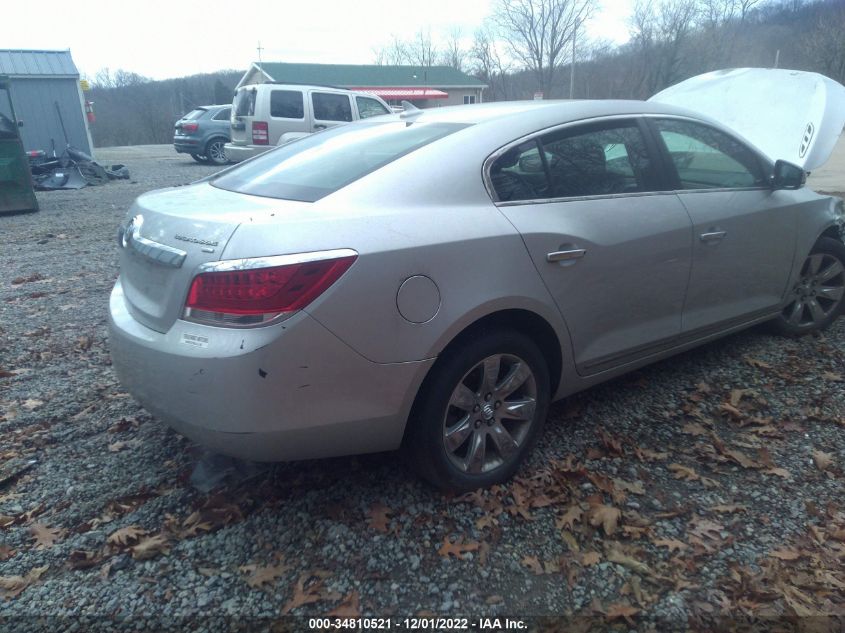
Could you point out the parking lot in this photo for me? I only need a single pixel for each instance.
(706, 486)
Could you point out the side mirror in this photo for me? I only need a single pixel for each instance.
(20, 123)
(788, 176)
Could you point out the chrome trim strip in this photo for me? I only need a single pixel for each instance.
(273, 260)
(159, 253)
(562, 256)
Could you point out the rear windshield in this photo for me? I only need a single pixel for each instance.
(244, 102)
(317, 165)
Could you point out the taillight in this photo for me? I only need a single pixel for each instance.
(190, 126)
(255, 291)
(260, 133)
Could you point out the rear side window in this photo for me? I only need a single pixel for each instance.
(315, 166)
(223, 115)
(286, 104)
(245, 102)
(597, 160)
(369, 107)
(331, 107)
(706, 158)
(194, 114)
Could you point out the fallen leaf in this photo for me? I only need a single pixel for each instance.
(349, 608)
(456, 549)
(693, 428)
(309, 588)
(126, 535)
(624, 611)
(6, 552)
(754, 362)
(616, 556)
(150, 547)
(532, 563)
(590, 558)
(832, 377)
(672, 544)
(379, 517)
(780, 472)
(786, 554)
(12, 586)
(31, 403)
(117, 446)
(569, 518)
(822, 460)
(727, 508)
(606, 516)
(45, 536)
(83, 559)
(262, 575)
(570, 540)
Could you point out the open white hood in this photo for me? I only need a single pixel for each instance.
(788, 114)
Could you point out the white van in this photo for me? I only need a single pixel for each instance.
(263, 113)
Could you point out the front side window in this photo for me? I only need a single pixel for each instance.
(369, 107)
(286, 104)
(331, 107)
(320, 164)
(706, 158)
(594, 160)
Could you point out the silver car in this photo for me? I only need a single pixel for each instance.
(432, 280)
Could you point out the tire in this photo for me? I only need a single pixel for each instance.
(816, 299)
(198, 158)
(459, 435)
(215, 151)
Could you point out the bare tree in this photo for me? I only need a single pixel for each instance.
(826, 48)
(453, 53)
(393, 54)
(537, 33)
(488, 66)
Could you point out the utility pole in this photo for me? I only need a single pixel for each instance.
(572, 67)
(777, 58)
(259, 52)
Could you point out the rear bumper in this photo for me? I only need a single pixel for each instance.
(237, 153)
(185, 145)
(285, 392)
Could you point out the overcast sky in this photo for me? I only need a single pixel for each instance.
(175, 39)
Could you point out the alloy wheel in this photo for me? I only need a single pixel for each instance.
(490, 413)
(216, 152)
(818, 292)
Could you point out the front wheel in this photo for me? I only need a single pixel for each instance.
(480, 412)
(815, 300)
(198, 158)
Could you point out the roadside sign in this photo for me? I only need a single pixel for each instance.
(83, 83)
(538, 96)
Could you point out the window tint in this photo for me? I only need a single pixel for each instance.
(223, 115)
(597, 161)
(706, 158)
(194, 114)
(591, 161)
(315, 166)
(369, 107)
(331, 107)
(286, 104)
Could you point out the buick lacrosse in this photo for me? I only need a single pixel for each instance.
(432, 280)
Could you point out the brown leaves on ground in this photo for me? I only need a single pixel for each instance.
(126, 536)
(310, 588)
(150, 547)
(260, 575)
(84, 559)
(378, 517)
(822, 460)
(457, 548)
(673, 544)
(689, 474)
(605, 516)
(13, 586)
(45, 536)
(350, 607)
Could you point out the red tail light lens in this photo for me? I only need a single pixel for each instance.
(253, 296)
(260, 134)
(190, 126)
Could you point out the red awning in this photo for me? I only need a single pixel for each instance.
(405, 93)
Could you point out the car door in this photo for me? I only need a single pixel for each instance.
(611, 246)
(287, 113)
(329, 109)
(744, 233)
(16, 192)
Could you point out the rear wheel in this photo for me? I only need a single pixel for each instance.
(816, 299)
(198, 158)
(480, 412)
(215, 151)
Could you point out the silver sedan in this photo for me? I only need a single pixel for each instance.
(432, 280)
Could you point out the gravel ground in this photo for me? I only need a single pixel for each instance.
(705, 487)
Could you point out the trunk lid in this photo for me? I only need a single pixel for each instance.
(787, 114)
(168, 234)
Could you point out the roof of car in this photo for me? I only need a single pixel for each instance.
(369, 75)
(562, 110)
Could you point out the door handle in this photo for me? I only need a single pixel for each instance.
(713, 236)
(561, 256)
(319, 126)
